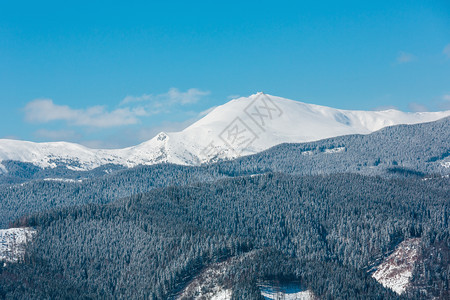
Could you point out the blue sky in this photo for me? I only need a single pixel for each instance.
(112, 74)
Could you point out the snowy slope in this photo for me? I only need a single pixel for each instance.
(287, 291)
(304, 295)
(13, 241)
(242, 126)
(206, 285)
(395, 271)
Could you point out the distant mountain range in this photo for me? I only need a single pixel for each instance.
(242, 126)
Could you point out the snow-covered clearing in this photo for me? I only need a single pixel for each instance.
(13, 241)
(396, 270)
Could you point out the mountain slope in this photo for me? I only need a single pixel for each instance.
(242, 126)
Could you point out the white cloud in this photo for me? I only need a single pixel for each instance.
(173, 96)
(129, 112)
(231, 97)
(404, 57)
(446, 97)
(189, 97)
(130, 99)
(44, 111)
(446, 51)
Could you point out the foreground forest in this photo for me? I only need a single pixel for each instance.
(324, 231)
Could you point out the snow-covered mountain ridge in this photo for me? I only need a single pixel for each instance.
(242, 126)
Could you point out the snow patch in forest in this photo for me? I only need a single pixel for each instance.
(288, 291)
(396, 270)
(64, 180)
(206, 285)
(334, 150)
(307, 153)
(431, 178)
(13, 242)
(446, 164)
(304, 295)
(222, 295)
(209, 283)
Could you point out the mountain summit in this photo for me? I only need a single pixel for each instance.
(242, 126)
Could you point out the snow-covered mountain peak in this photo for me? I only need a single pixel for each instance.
(266, 120)
(242, 126)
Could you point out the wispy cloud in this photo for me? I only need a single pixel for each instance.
(404, 57)
(131, 99)
(231, 97)
(173, 96)
(44, 111)
(129, 112)
(446, 51)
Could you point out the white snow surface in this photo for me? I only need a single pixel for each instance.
(335, 150)
(395, 271)
(206, 285)
(64, 180)
(222, 295)
(242, 126)
(13, 241)
(288, 290)
(304, 295)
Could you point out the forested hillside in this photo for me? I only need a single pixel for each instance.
(37, 195)
(321, 230)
